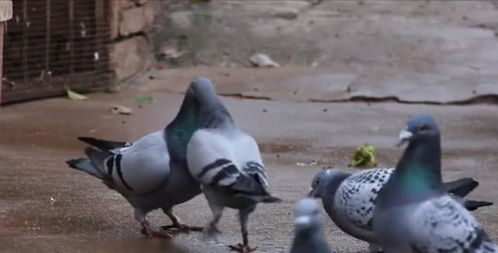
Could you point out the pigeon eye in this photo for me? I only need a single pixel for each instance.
(423, 128)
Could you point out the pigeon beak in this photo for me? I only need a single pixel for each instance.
(404, 137)
(302, 220)
(311, 193)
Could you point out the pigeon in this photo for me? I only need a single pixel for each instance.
(349, 199)
(150, 172)
(414, 213)
(308, 229)
(227, 163)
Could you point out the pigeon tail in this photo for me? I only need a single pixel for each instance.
(84, 164)
(271, 199)
(98, 157)
(103, 144)
(461, 187)
(472, 205)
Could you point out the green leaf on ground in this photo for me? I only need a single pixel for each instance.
(75, 96)
(364, 156)
(143, 99)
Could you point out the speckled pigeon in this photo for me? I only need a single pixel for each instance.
(349, 199)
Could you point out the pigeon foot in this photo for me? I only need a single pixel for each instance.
(242, 248)
(151, 233)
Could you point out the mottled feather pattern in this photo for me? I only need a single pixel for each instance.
(359, 207)
(445, 225)
(125, 166)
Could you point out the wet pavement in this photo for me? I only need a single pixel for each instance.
(46, 207)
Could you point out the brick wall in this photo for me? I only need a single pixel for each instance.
(130, 50)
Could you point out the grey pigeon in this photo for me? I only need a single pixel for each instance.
(152, 171)
(308, 232)
(227, 163)
(414, 213)
(349, 199)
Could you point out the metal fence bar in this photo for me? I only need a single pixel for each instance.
(99, 20)
(46, 71)
(71, 36)
(56, 43)
(25, 39)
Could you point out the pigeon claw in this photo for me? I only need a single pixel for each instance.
(212, 231)
(242, 248)
(150, 233)
(182, 228)
(195, 229)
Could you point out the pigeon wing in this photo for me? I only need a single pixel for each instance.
(444, 225)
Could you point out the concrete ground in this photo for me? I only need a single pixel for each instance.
(46, 207)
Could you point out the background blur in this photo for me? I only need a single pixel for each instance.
(396, 50)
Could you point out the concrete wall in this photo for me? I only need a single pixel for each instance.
(295, 32)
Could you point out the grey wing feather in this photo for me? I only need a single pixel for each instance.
(254, 181)
(359, 207)
(224, 174)
(444, 225)
(144, 165)
(229, 162)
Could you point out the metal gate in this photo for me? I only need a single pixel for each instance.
(54, 44)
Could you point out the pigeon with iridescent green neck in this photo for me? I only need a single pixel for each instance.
(151, 172)
(349, 198)
(414, 213)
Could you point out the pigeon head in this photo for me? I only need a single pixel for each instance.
(187, 121)
(419, 127)
(212, 113)
(321, 180)
(203, 90)
(191, 101)
(200, 94)
(306, 215)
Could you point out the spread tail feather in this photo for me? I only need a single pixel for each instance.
(103, 144)
(98, 157)
(85, 165)
(472, 205)
(461, 187)
(94, 164)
